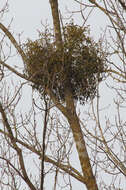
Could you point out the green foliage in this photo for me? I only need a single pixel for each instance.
(78, 66)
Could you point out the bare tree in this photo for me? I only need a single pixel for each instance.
(109, 136)
(20, 137)
(21, 134)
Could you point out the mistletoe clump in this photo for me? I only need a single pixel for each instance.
(78, 66)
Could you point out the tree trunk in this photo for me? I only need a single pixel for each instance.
(70, 112)
(56, 23)
(73, 120)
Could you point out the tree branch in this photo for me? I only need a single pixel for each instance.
(18, 150)
(14, 42)
(56, 22)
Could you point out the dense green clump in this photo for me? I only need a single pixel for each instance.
(78, 66)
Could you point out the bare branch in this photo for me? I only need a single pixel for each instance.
(14, 42)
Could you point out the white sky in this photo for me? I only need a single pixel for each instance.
(27, 17)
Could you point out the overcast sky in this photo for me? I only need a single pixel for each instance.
(29, 14)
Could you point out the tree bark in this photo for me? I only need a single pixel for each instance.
(56, 23)
(70, 113)
(73, 120)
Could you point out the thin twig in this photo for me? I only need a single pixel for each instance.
(43, 145)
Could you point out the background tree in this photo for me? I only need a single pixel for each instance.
(111, 134)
